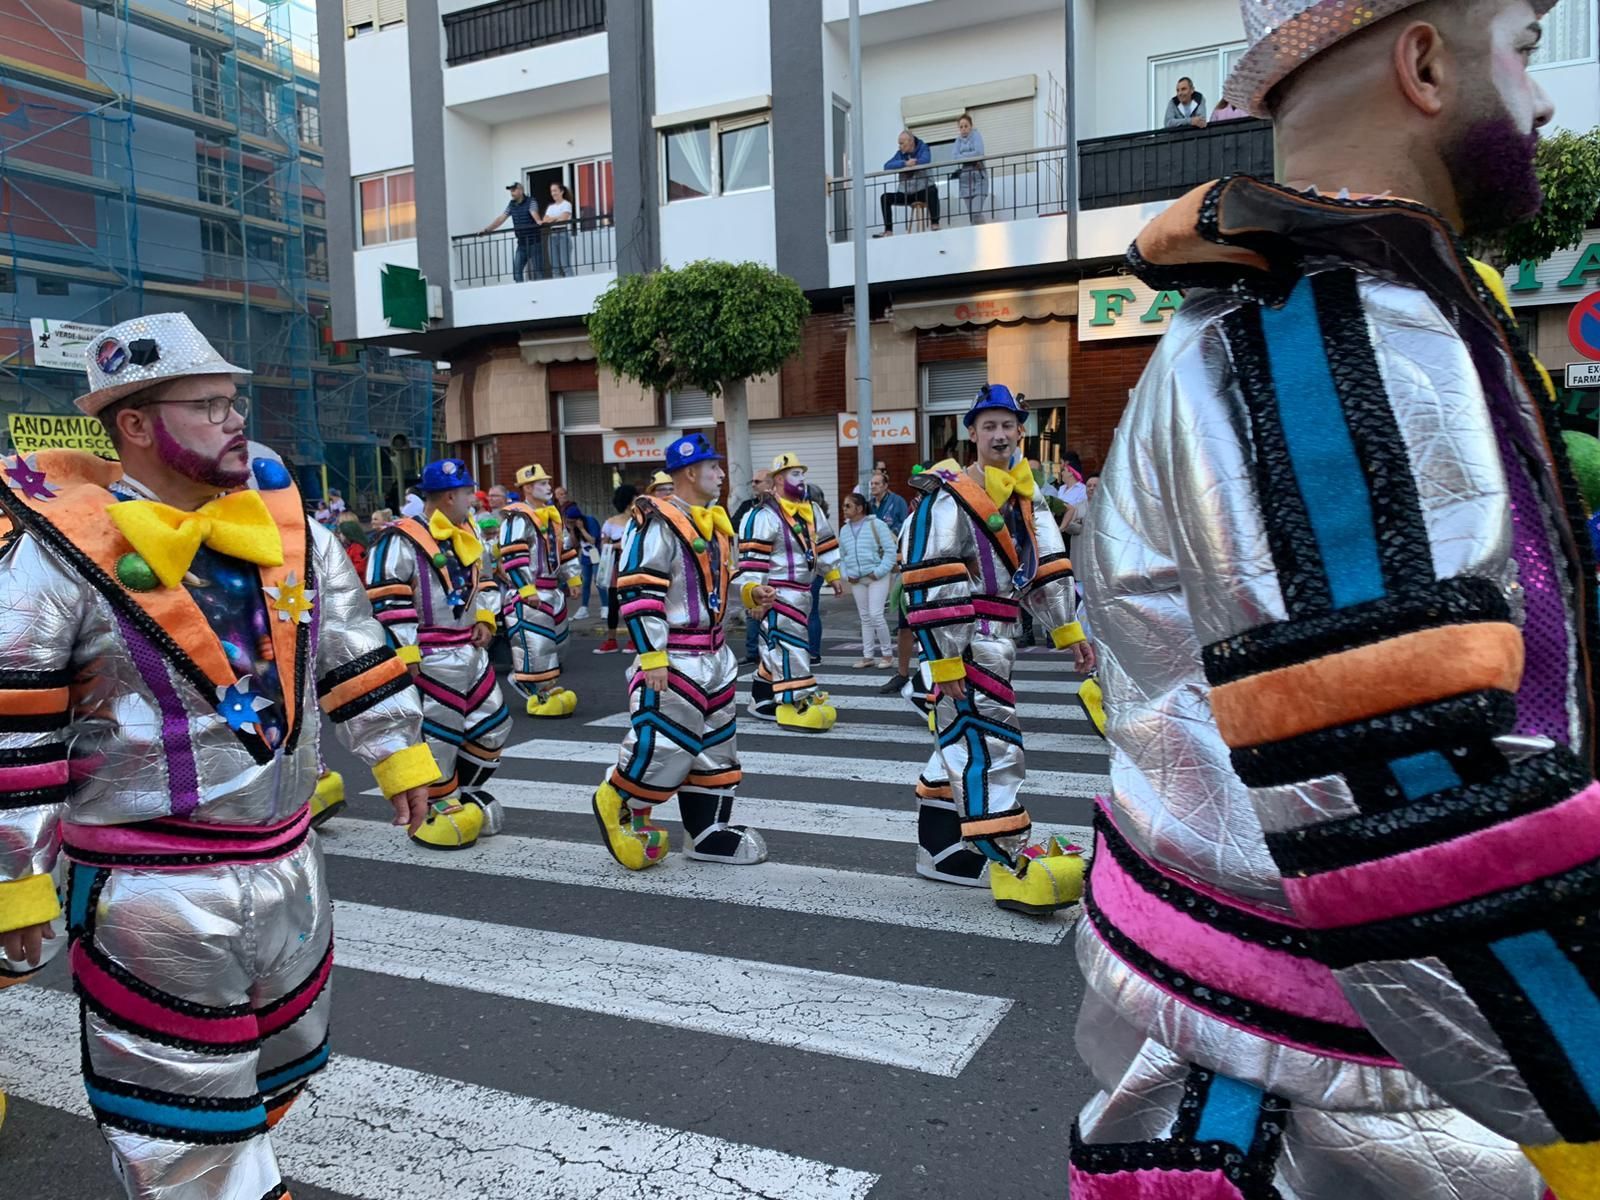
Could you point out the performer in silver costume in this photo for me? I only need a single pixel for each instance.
(433, 588)
(1340, 926)
(785, 541)
(677, 560)
(166, 638)
(538, 557)
(975, 551)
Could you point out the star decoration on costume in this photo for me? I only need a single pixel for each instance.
(28, 479)
(291, 601)
(239, 706)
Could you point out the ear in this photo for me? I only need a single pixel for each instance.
(135, 426)
(1422, 67)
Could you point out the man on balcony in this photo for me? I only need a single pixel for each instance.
(916, 185)
(524, 216)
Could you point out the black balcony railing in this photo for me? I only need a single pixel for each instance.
(510, 25)
(1163, 164)
(505, 256)
(975, 191)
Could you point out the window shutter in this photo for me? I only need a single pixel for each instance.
(359, 14)
(949, 387)
(390, 12)
(689, 407)
(580, 412)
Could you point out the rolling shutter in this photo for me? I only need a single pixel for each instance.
(949, 387)
(815, 440)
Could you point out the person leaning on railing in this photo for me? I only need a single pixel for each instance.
(916, 185)
(973, 177)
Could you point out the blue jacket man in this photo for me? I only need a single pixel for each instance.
(914, 186)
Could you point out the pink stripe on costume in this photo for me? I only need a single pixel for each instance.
(443, 637)
(32, 776)
(757, 565)
(927, 616)
(1202, 952)
(179, 837)
(1507, 855)
(122, 1001)
(711, 640)
(288, 1014)
(646, 605)
(996, 608)
(988, 683)
(460, 704)
(1151, 1185)
(513, 564)
(794, 614)
(392, 616)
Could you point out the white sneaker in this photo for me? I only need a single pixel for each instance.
(885, 663)
(862, 663)
(582, 614)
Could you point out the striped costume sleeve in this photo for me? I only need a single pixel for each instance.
(571, 560)
(40, 606)
(642, 583)
(1449, 877)
(392, 566)
(827, 546)
(756, 540)
(1052, 597)
(938, 586)
(516, 553)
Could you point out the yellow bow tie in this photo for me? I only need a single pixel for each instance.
(799, 510)
(547, 516)
(167, 538)
(467, 546)
(712, 517)
(1000, 484)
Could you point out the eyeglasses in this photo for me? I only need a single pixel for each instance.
(217, 407)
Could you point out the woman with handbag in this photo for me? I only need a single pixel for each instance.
(866, 556)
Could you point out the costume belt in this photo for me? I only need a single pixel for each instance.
(704, 641)
(175, 844)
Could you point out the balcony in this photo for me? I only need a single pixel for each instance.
(1163, 164)
(507, 26)
(560, 276)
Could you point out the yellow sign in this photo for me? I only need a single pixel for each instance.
(31, 432)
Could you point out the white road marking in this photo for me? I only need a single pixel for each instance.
(1038, 743)
(1062, 689)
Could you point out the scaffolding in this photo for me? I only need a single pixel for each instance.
(166, 155)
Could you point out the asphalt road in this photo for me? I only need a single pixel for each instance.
(527, 1020)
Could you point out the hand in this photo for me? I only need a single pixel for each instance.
(1084, 658)
(411, 808)
(1198, 122)
(414, 668)
(482, 634)
(575, 590)
(656, 679)
(956, 689)
(763, 595)
(838, 587)
(27, 944)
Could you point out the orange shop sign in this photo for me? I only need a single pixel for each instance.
(647, 447)
(888, 428)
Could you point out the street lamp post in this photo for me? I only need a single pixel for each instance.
(858, 221)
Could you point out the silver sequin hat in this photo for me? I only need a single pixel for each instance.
(1286, 34)
(143, 351)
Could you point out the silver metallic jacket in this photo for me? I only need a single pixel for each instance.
(773, 549)
(1344, 625)
(672, 595)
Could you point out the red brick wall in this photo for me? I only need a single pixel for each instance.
(516, 450)
(813, 380)
(1102, 375)
(572, 377)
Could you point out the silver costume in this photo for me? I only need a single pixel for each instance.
(540, 564)
(1344, 627)
(176, 789)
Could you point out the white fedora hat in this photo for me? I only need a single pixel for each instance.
(145, 351)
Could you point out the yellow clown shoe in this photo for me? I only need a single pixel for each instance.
(328, 798)
(556, 703)
(1053, 880)
(1093, 703)
(451, 825)
(815, 718)
(632, 839)
(2, 1110)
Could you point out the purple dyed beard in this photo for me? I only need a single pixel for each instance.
(1492, 164)
(193, 465)
(795, 491)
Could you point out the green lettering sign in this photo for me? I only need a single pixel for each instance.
(1588, 264)
(1163, 304)
(1527, 276)
(1109, 304)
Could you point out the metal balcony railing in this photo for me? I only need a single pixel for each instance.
(507, 26)
(1163, 164)
(973, 191)
(505, 256)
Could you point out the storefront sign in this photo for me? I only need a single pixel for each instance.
(888, 429)
(31, 433)
(61, 344)
(1123, 307)
(648, 447)
(1560, 279)
(1583, 375)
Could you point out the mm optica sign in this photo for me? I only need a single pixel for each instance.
(1583, 326)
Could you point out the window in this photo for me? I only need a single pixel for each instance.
(206, 81)
(317, 256)
(308, 118)
(1006, 128)
(688, 408)
(1207, 68)
(713, 158)
(313, 209)
(368, 16)
(258, 104)
(8, 283)
(222, 248)
(260, 196)
(388, 208)
(212, 181)
(580, 412)
(592, 192)
(50, 287)
(947, 392)
(1568, 34)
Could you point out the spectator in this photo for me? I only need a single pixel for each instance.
(887, 506)
(866, 556)
(525, 222)
(381, 519)
(611, 535)
(336, 503)
(585, 534)
(814, 621)
(498, 496)
(354, 540)
(761, 488)
(660, 485)
(1227, 112)
(558, 224)
(916, 186)
(973, 178)
(1187, 108)
(413, 505)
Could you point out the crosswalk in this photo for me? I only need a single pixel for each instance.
(685, 1032)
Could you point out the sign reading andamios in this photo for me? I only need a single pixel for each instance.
(32, 432)
(1123, 307)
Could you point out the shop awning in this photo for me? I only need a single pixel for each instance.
(986, 308)
(554, 350)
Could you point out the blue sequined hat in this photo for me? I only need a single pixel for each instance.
(995, 395)
(687, 451)
(446, 475)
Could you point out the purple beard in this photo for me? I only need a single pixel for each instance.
(198, 467)
(795, 491)
(1492, 167)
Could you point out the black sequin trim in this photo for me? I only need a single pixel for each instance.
(1526, 787)
(278, 1192)
(345, 672)
(133, 983)
(354, 708)
(199, 859)
(300, 989)
(21, 679)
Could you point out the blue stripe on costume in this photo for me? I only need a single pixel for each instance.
(1561, 996)
(79, 884)
(432, 729)
(299, 1070)
(177, 1117)
(1337, 499)
(1424, 774)
(1230, 1113)
(492, 722)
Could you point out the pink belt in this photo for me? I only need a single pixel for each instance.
(175, 844)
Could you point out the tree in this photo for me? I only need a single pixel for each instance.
(710, 325)
(1569, 172)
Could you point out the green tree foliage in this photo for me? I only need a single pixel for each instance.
(1569, 170)
(700, 325)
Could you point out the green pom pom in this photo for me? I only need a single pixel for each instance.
(438, 559)
(136, 575)
(917, 470)
(996, 522)
(1584, 451)
(699, 545)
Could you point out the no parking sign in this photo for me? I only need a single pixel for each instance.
(1583, 326)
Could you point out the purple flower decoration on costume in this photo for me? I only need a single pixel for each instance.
(239, 706)
(28, 479)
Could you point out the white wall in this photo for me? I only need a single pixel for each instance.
(378, 90)
(737, 228)
(527, 70)
(547, 141)
(709, 51)
(1575, 91)
(954, 250)
(1108, 232)
(369, 265)
(473, 191)
(1125, 35)
(573, 296)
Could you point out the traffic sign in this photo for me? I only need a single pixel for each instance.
(1583, 326)
(1583, 375)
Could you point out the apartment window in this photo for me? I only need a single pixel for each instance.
(212, 181)
(308, 118)
(369, 16)
(1207, 68)
(947, 392)
(8, 283)
(260, 196)
(689, 408)
(1568, 35)
(388, 208)
(592, 191)
(580, 412)
(714, 158)
(268, 248)
(317, 256)
(222, 248)
(258, 104)
(206, 81)
(1007, 129)
(51, 287)
(315, 210)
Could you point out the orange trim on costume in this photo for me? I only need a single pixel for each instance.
(713, 779)
(793, 685)
(934, 791)
(931, 576)
(437, 791)
(978, 500)
(1051, 569)
(1352, 685)
(388, 589)
(534, 676)
(290, 514)
(638, 791)
(481, 753)
(990, 826)
(367, 681)
(640, 580)
(419, 535)
(33, 702)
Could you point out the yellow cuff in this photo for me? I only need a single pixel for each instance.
(653, 660)
(484, 617)
(31, 900)
(527, 591)
(1572, 1171)
(410, 655)
(832, 576)
(946, 669)
(406, 769)
(745, 593)
(1067, 635)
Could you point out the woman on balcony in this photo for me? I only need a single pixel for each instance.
(558, 222)
(973, 178)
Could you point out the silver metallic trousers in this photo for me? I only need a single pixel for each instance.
(464, 719)
(536, 629)
(785, 646)
(981, 745)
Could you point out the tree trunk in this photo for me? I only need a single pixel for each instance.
(736, 424)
